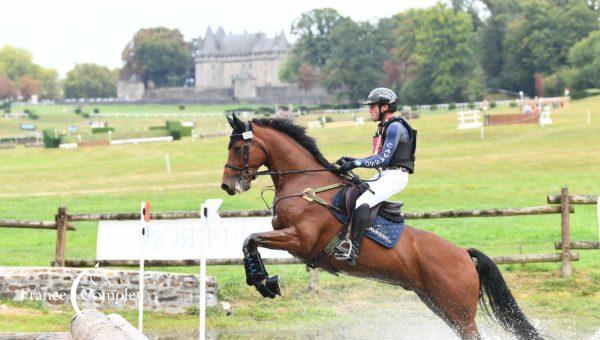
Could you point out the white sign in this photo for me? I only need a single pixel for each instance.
(180, 239)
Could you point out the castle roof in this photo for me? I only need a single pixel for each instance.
(221, 44)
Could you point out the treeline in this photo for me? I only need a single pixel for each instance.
(19, 75)
(21, 78)
(159, 56)
(451, 53)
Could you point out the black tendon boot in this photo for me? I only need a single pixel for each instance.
(349, 250)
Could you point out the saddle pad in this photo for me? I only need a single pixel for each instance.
(383, 231)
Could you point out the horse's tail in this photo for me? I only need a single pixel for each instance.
(505, 309)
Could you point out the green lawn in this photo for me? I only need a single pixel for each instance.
(513, 166)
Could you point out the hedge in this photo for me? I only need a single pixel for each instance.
(51, 138)
(102, 129)
(175, 129)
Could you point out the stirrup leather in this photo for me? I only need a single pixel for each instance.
(343, 251)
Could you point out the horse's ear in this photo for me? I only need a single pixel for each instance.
(230, 122)
(238, 123)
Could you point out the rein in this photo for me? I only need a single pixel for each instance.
(248, 137)
(308, 194)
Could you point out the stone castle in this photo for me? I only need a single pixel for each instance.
(231, 68)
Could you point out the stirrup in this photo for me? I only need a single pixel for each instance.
(343, 251)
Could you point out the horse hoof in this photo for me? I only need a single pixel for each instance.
(273, 285)
(270, 289)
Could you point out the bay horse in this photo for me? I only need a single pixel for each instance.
(448, 279)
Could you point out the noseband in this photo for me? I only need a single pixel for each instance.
(247, 137)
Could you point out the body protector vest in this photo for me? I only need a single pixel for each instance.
(404, 156)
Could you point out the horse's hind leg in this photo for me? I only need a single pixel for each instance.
(456, 303)
(459, 318)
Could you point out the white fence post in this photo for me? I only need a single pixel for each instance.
(145, 233)
(168, 164)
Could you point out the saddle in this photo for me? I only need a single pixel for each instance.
(387, 209)
(386, 224)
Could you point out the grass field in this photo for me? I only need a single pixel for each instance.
(513, 166)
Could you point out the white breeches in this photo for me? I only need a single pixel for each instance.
(390, 183)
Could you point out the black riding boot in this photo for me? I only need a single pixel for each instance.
(349, 251)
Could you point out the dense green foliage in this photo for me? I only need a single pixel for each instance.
(17, 65)
(51, 138)
(437, 46)
(158, 55)
(90, 81)
(584, 59)
(450, 52)
(353, 68)
(103, 129)
(175, 129)
(538, 40)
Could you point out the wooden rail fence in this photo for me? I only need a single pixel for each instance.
(31, 224)
(63, 223)
(578, 199)
(505, 259)
(564, 210)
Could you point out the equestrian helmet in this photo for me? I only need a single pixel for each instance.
(381, 95)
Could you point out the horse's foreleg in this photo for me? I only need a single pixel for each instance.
(256, 274)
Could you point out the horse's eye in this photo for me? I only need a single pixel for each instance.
(237, 150)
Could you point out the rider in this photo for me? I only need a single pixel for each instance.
(394, 147)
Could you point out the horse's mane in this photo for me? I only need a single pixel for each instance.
(297, 133)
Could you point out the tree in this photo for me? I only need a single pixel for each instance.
(306, 77)
(539, 37)
(289, 68)
(385, 35)
(314, 28)
(49, 87)
(28, 87)
(7, 88)
(585, 63)
(158, 55)
(355, 65)
(437, 48)
(90, 81)
(16, 62)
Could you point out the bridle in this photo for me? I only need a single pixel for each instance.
(248, 137)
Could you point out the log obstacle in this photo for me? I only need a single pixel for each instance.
(94, 325)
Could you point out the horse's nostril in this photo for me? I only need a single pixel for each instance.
(224, 187)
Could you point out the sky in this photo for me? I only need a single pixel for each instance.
(63, 33)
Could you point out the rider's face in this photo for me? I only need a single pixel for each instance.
(374, 111)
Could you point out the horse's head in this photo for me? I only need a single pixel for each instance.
(245, 156)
